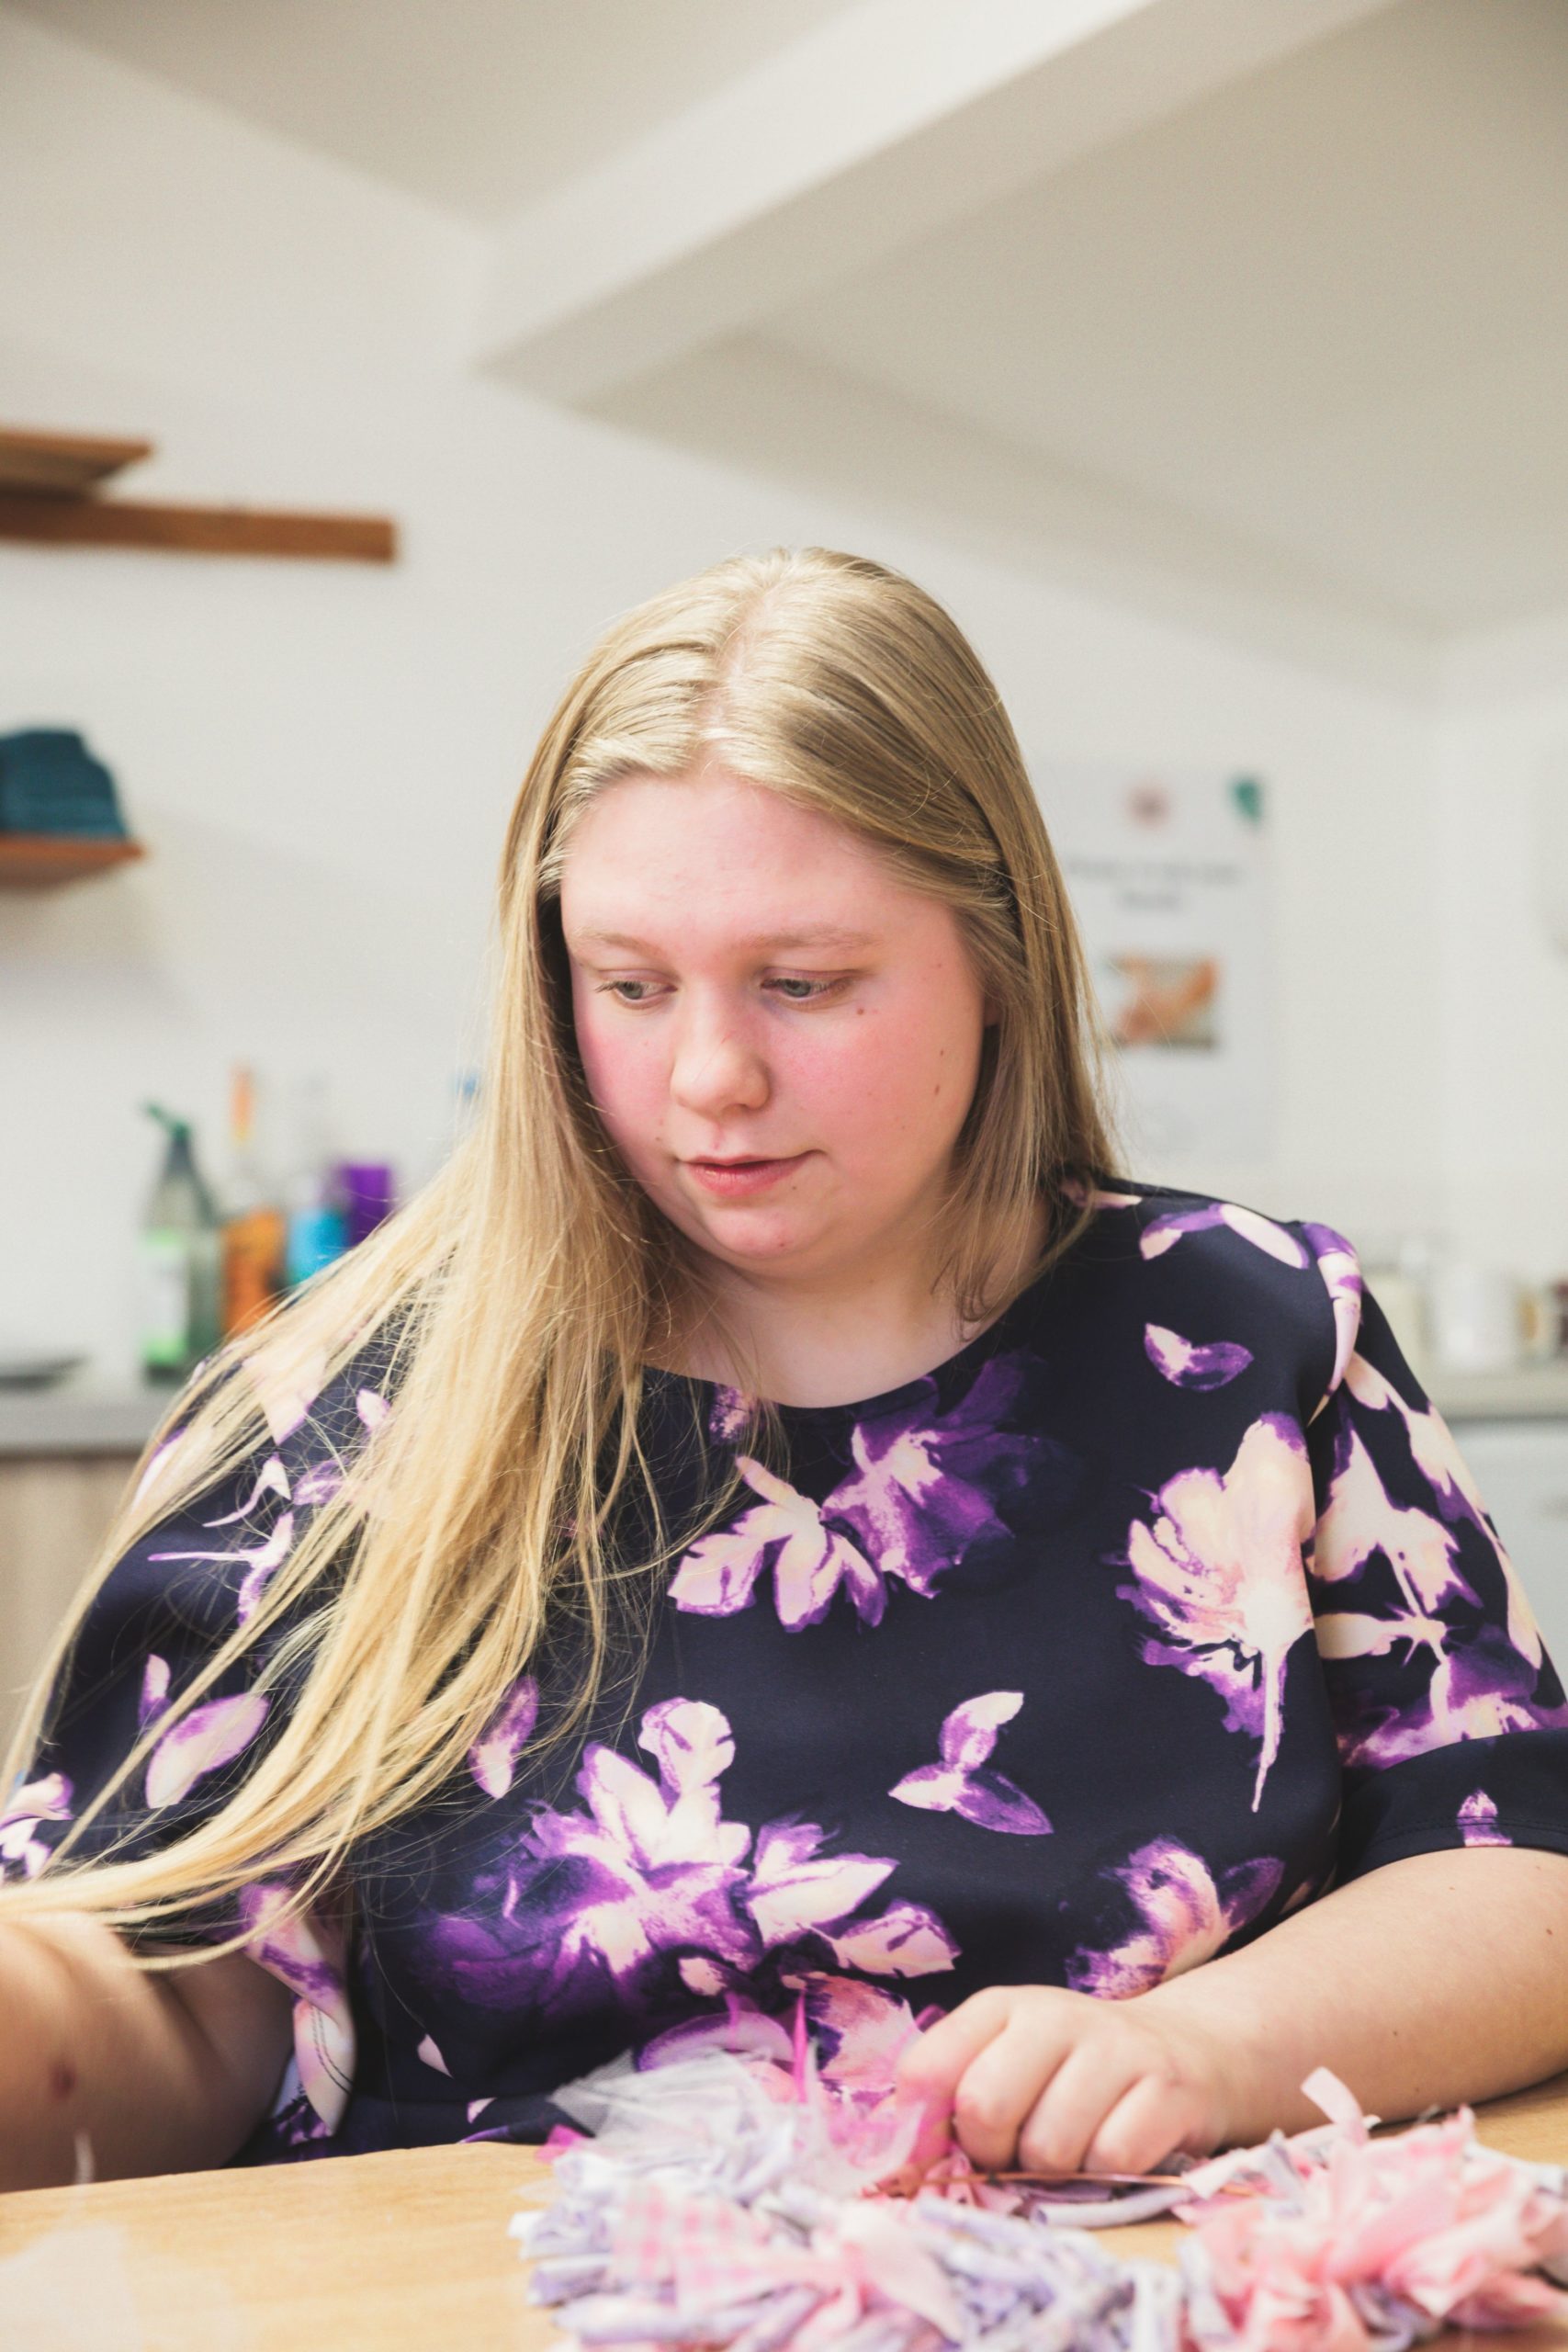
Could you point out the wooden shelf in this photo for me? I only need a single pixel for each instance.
(48, 483)
(42, 861)
(194, 530)
(63, 465)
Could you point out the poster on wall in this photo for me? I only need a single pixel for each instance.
(1168, 871)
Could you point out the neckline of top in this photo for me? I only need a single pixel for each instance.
(973, 1352)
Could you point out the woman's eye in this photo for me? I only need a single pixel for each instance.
(618, 990)
(802, 992)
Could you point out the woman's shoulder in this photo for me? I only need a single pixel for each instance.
(1208, 1273)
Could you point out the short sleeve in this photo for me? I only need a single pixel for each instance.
(1448, 1714)
(155, 1624)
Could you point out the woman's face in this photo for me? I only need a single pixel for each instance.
(781, 1036)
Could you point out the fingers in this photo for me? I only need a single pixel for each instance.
(931, 2069)
(1051, 2081)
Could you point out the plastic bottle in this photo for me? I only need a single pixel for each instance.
(317, 1222)
(255, 1228)
(178, 1260)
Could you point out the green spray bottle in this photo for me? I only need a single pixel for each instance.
(179, 1259)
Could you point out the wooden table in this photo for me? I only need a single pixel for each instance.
(399, 2253)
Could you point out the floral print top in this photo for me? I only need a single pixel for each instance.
(1157, 1608)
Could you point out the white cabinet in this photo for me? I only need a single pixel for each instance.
(1521, 1468)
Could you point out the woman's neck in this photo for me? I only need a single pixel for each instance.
(832, 1343)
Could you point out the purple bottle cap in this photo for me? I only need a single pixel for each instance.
(367, 1195)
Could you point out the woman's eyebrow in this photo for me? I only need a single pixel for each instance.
(810, 935)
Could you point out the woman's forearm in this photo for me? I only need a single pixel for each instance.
(1434, 1980)
(140, 2073)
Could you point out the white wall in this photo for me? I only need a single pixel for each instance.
(321, 757)
(1505, 1011)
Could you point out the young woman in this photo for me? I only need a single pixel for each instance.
(777, 1520)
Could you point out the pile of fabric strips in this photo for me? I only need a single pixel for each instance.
(723, 2203)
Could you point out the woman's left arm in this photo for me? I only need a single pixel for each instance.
(1440, 1978)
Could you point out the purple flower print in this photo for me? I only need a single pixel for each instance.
(1219, 1575)
(492, 1759)
(1163, 1232)
(921, 1493)
(729, 1415)
(1341, 1271)
(1478, 1821)
(34, 1802)
(1184, 1916)
(1193, 1363)
(650, 1879)
(785, 1532)
(263, 1563)
(961, 1784)
(1443, 1466)
(305, 1952)
(198, 1743)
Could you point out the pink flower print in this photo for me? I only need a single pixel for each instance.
(198, 1743)
(1445, 1469)
(155, 1697)
(372, 1408)
(1341, 1271)
(1478, 1821)
(794, 1890)
(34, 1802)
(1184, 1917)
(1361, 1519)
(429, 2055)
(305, 1952)
(1343, 1633)
(905, 1940)
(1092, 1197)
(492, 1759)
(784, 1532)
(961, 1784)
(1192, 1363)
(1220, 1574)
(287, 1377)
(921, 1493)
(158, 1465)
(1163, 1232)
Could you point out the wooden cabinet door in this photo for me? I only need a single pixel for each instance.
(54, 1512)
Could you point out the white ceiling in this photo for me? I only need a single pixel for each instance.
(1300, 329)
(475, 104)
(1326, 308)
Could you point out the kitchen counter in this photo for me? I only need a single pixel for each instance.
(88, 1415)
(80, 1416)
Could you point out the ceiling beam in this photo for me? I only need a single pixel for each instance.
(878, 126)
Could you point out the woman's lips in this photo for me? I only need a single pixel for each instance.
(732, 1180)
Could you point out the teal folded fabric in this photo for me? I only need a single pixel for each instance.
(51, 782)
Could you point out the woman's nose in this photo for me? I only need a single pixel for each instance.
(716, 1065)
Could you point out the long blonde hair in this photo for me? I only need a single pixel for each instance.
(520, 1295)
